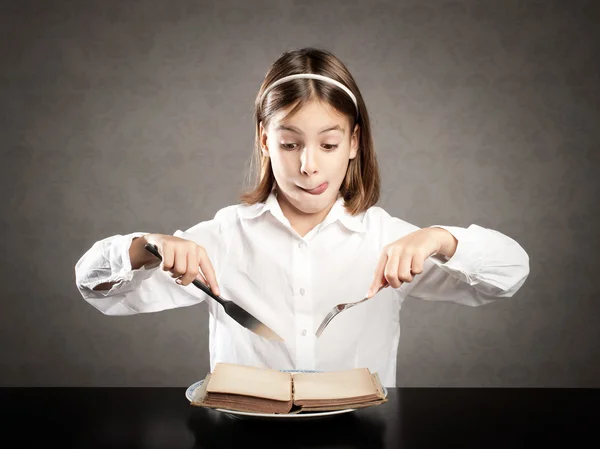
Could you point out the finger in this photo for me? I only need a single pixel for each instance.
(168, 256)
(209, 272)
(378, 276)
(417, 263)
(391, 271)
(192, 268)
(404, 267)
(199, 276)
(180, 264)
(384, 284)
(179, 277)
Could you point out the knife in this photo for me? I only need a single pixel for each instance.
(236, 312)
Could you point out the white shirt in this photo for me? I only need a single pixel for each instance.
(290, 283)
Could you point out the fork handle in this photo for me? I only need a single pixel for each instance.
(352, 304)
(201, 285)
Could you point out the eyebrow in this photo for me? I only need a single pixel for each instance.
(297, 131)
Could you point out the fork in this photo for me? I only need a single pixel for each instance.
(340, 308)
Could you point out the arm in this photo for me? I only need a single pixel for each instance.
(470, 266)
(119, 277)
(486, 265)
(138, 256)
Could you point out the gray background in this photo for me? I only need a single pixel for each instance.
(122, 116)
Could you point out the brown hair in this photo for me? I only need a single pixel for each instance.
(361, 184)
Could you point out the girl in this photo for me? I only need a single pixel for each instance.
(308, 237)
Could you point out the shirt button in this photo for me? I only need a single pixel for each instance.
(303, 333)
(301, 245)
(302, 291)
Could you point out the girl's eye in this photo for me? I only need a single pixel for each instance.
(293, 146)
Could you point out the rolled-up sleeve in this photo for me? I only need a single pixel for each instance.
(486, 266)
(148, 289)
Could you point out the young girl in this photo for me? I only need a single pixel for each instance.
(308, 237)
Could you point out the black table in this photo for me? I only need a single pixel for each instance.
(413, 418)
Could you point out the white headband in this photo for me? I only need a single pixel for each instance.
(310, 76)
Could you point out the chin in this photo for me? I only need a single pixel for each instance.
(310, 208)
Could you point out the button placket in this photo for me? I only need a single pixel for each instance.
(303, 307)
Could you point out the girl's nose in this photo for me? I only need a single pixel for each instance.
(308, 161)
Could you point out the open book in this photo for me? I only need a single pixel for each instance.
(262, 390)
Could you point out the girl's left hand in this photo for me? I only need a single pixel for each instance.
(401, 260)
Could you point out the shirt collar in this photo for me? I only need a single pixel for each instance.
(337, 213)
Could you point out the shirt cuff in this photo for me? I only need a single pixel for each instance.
(120, 263)
(466, 261)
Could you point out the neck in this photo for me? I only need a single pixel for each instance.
(301, 222)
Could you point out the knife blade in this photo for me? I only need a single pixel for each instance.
(239, 314)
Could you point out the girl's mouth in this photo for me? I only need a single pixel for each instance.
(318, 190)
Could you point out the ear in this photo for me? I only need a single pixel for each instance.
(263, 140)
(354, 140)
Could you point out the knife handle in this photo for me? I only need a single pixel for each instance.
(201, 285)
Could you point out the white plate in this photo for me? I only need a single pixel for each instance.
(189, 394)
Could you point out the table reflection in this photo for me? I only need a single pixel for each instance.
(358, 429)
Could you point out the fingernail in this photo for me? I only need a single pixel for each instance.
(178, 281)
(370, 293)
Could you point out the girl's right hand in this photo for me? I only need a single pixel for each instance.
(184, 259)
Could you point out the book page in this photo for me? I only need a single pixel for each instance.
(250, 381)
(353, 383)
